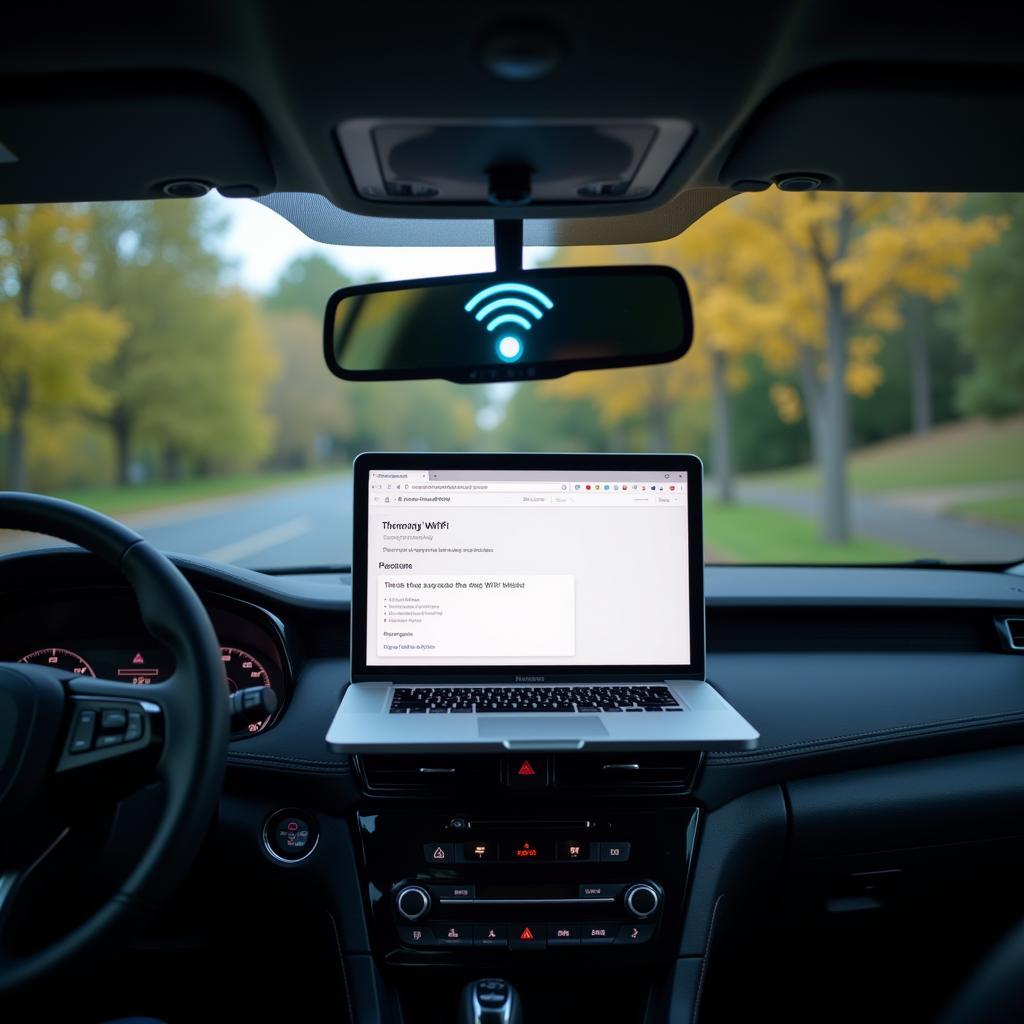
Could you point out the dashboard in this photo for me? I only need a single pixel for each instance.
(884, 804)
(98, 631)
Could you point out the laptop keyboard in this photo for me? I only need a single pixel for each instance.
(483, 700)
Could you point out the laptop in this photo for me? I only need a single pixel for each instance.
(529, 602)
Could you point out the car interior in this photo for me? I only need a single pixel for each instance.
(846, 846)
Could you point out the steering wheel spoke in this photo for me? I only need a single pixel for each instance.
(19, 878)
(110, 722)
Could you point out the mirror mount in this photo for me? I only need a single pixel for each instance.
(508, 246)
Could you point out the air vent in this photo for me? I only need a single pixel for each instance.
(428, 774)
(635, 773)
(1011, 632)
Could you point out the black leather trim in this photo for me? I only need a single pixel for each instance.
(296, 743)
(826, 712)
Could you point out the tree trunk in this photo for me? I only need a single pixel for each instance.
(659, 411)
(835, 417)
(17, 471)
(810, 389)
(174, 463)
(721, 429)
(121, 426)
(920, 371)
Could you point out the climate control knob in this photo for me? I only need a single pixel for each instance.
(642, 899)
(412, 902)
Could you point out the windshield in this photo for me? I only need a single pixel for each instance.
(855, 387)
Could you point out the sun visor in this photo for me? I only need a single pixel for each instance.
(886, 130)
(94, 138)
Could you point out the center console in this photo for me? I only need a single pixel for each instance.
(522, 865)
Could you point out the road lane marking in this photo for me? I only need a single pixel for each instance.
(262, 541)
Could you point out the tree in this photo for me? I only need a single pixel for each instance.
(305, 402)
(306, 284)
(722, 261)
(184, 381)
(50, 341)
(839, 265)
(721, 258)
(991, 316)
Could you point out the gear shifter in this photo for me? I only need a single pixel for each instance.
(490, 1001)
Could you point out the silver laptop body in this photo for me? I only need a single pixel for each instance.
(529, 602)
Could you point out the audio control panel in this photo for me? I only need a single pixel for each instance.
(457, 886)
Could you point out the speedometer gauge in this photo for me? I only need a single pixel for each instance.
(60, 658)
(243, 671)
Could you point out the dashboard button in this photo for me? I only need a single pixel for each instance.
(601, 934)
(290, 835)
(612, 853)
(634, 934)
(599, 890)
(526, 772)
(491, 935)
(416, 935)
(564, 934)
(412, 902)
(527, 936)
(573, 849)
(439, 853)
(527, 850)
(454, 933)
(482, 849)
(453, 892)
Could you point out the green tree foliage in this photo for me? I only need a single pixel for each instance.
(305, 285)
(190, 379)
(991, 316)
(311, 408)
(49, 338)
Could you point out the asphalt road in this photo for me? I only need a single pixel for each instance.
(299, 525)
(310, 524)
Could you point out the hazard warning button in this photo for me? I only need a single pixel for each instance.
(527, 936)
(526, 771)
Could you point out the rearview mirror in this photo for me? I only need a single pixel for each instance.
(527, 325)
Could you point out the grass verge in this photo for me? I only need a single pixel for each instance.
(952, 455)
(751, 533)
(1008, 511)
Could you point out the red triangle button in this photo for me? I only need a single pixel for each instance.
(526, 935)
(526, 769)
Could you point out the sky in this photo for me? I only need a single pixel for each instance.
(262, 243)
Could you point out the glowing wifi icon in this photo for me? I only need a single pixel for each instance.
(501, 305)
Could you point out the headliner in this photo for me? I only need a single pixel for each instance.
(246, 96)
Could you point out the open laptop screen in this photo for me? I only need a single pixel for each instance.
(574, 567)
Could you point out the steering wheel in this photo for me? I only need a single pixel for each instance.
(69, 741)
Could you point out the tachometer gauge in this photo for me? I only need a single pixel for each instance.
(243, 671)
(61, 658)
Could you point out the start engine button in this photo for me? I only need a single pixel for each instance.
(290, 835)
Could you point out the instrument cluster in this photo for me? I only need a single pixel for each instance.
(100, 633)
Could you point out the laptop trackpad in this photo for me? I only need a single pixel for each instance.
(533, 727)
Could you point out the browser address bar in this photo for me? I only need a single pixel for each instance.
(484, 486)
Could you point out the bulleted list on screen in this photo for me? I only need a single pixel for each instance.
(485, 615)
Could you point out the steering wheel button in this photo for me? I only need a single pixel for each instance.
(134, 730)
(113, 720)
(85, 728)
(108, 740)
